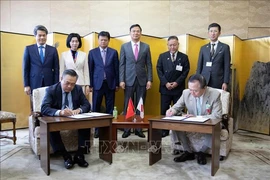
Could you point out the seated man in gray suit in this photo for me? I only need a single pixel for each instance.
(199, 100)
(66, 98)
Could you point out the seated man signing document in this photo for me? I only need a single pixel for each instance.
(65, 98)
(199, 100)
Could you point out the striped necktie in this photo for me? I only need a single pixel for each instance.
(212, 52)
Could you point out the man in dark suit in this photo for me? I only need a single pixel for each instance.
(104, 74)
(40, 62)
(172, 70)
(135, 71)
(65, 98)
(214, 60)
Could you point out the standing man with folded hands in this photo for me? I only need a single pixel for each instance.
(172, 70)
(214, 60)
(65, 98)
(135, 71)
(104, 74)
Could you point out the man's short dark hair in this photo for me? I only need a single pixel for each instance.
(198, 77)
(214, 25)
(135, 25)
(70, 72)
(72, 35)
(40, 28)
(173, 37)
(104, 33)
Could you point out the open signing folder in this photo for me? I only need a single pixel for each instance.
(87, 115)
(188, 119)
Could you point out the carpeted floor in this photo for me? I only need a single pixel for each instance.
(248, 159)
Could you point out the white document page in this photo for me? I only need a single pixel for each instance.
(179, 118)
(196, 119)
(96, 114)
(80, 116)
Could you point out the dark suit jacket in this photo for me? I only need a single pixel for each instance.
(129, 68)
(34, 70)
(219, 73)
(97, 68)
(166, 70)
(53, 100)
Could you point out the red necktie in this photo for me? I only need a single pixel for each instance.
(136, 51)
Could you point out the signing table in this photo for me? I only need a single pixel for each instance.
(50, 124)
(209, 127)
(132, 122)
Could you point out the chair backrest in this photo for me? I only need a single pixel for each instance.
(225, 100)
(38, 95)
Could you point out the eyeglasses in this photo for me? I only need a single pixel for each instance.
(66, 83)
(194, 90)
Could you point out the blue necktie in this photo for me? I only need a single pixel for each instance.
(104, 60)
(198, 106)
(41, 54)
(66, 100)
(104, 56)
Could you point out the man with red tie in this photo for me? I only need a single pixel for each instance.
(135, 71)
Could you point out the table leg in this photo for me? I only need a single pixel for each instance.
(215, 148)
(14, 132)
(114, 138)
(155, 145)
(44, 148)
(105, 144)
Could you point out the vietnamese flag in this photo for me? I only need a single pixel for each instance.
(130, 109)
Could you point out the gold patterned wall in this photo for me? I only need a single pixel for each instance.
(239, 20)
(246, 18)
(13, 98)
(243, 52)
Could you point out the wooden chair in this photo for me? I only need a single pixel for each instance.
(6, 117)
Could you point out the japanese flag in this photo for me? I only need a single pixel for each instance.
(140, 108)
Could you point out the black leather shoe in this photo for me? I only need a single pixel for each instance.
(79, 159)
(185, 157)
(176, 152)
(201, 158)
(221, 158)
(140, 134)
(165, 133)
(177, 143)
(68, 163)
(126, 134)
(68, 160)
(96, 135)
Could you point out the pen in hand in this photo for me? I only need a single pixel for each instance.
(169, 111)
(70, 110)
